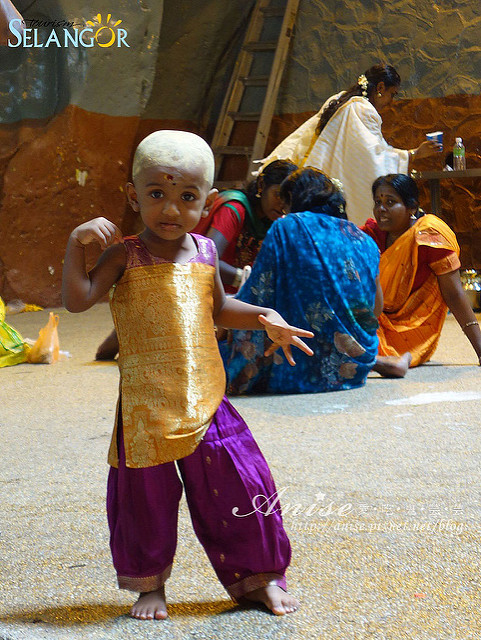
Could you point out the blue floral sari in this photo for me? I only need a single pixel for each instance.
(319, 273)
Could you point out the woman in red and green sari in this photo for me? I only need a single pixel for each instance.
(238, 221)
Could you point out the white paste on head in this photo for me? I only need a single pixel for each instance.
(174, 149)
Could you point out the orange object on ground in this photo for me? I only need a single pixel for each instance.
(46, 348)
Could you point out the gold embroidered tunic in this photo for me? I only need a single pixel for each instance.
(172, 378)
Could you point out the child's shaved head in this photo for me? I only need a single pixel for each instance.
(174, 149)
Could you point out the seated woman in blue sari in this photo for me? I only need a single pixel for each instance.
(321, 273)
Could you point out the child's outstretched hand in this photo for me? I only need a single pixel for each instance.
(283, 335)
(98, 230)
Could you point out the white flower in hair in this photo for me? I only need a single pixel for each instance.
(338, 184)
(362, 82)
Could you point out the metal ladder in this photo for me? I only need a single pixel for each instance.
(255, 81)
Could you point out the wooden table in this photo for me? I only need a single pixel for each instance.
(434, 178)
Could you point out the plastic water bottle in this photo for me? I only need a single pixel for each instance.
(459, 155)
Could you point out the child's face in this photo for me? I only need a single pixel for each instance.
(171, 201)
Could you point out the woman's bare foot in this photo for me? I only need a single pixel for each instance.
(275, 599)
(392, 366)
(151, 605)
(109, 347)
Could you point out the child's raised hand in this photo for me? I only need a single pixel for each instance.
(98, 230)
(283, 335)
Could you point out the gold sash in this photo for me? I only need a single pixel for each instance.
(172, 378)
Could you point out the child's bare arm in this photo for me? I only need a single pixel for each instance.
(82, 289)
(235, 314)
(231, 313)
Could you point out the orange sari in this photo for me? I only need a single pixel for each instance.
(412, 320)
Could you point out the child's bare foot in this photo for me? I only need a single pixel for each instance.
(151, 605)
(393, 367)
(275, 599)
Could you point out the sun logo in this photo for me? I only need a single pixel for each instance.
(100, 28)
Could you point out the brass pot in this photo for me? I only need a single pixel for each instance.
(471, 281)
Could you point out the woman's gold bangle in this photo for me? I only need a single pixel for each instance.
(412, 153)
(237, 278)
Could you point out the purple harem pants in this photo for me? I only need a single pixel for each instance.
(227, 470)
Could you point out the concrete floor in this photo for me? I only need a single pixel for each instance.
(395, 467)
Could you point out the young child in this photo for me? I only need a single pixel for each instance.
(166, 296)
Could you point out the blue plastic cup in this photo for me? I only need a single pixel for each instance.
(435, 136)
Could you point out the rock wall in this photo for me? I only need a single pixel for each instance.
(435, 46)
(70, 118)
(455, 115)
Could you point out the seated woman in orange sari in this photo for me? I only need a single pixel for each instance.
(419, 273)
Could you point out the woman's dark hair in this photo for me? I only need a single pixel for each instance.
(376, 74)
(309, 189)
(404, 185)
(273, 173)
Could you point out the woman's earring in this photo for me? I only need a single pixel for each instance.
(258, 194)
(379, 94)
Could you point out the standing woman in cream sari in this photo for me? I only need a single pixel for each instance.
(344, 140)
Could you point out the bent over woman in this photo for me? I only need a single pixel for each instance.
(321, 271)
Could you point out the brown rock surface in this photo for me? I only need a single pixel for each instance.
(406, 123)
(57, 174)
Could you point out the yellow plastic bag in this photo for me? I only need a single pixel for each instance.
(13, 349)
(18, 306)
(46, 348)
